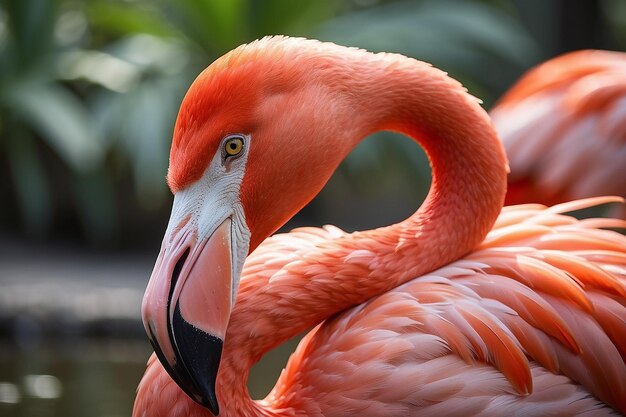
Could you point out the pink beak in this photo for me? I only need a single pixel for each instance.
(187, 305)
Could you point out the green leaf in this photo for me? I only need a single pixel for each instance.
(122, 119)
(288, 17)
(98, 67)
(121, 19)
(95, 200)
(29, 180)
(148, 145)
(215, 25)
(473, 41)
(31, 24)
(60, 120)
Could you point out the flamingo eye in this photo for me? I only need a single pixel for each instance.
(233, 146)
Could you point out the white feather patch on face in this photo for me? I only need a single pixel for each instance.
(212, 199)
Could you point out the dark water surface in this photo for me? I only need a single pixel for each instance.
(94, 378)
(85, 378)
(71, 339)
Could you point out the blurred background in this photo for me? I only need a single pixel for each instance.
(89, 91)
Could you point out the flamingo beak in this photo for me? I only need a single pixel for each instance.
(187, 305)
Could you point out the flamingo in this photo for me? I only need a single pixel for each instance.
(563, 125)
(458, 310)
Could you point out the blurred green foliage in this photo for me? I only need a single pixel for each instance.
(89, 92)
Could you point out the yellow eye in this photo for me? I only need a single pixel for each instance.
(233, 146)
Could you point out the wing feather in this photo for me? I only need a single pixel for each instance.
(537, 309)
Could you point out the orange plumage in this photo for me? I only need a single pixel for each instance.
(564, 128)
(446, 313)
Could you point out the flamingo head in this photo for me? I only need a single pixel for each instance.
(242, 163)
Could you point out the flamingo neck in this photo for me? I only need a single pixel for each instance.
(387, 92)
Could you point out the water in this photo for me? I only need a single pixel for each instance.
(71, 340)
(95, 378)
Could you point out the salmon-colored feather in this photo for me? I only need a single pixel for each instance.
(564, 128)
(524, 301)
(436, 315)
(551, 329)
(445, 313)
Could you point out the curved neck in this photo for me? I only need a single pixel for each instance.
(387, 92)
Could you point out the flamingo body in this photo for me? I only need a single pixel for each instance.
(486, 335)
(459, 310)
(564, 128)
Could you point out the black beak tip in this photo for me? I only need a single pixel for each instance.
(209, 401)
(200, 354)
(207, 396)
